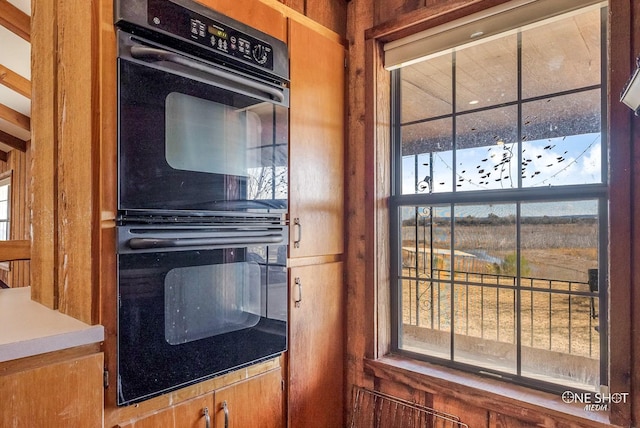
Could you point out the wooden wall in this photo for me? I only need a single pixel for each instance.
(329, 13)
(18, 164)
(370, 24)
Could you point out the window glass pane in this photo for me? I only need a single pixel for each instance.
(485, 292)
(487, 74)
(562, 55)
(425, 289)
(510, 286)
(4, 192)
(487, 153)
(426, 89)
(427, 157)
(4, 210)
(562, 140)
(559, 242)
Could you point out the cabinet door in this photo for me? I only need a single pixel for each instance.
(256, 403)
(316, 152)
(194, 413)
(64, 394)
(316, 346)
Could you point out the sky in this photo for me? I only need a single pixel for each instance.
(550, 162)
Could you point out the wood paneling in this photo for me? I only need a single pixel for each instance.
(330, 13)
(473, 416)
(67, 393)
(17, 165)
(44, 140)
(392, 8)
(361, 311)
(625, 45)
(297, 5)
(14, 20)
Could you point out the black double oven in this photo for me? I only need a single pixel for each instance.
(203, 189)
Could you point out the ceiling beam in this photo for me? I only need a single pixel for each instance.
(12, 141)
(14, 81)
(15, 117)
(15, 20)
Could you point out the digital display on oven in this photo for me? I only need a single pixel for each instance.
(218, 33)
(213, 35)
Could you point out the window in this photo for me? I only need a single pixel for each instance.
(5, 203)
(499, 207)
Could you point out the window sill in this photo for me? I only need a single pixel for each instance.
(490, 394)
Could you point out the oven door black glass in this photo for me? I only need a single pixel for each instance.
(190, 140)
(187, 315)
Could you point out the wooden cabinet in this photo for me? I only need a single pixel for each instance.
(257, 403)
(194, 413)
(316, 215)
(66, 393)
(316, 153)
(316, 348)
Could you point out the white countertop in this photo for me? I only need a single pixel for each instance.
(28, 328)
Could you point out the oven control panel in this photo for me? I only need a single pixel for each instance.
(187, 24)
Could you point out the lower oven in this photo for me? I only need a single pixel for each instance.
(196, 301)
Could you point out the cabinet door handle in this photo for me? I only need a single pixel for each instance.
(298, 226)
(298, 301)
(225, 409)
(207, 418)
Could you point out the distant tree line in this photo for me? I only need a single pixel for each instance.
(496, 220)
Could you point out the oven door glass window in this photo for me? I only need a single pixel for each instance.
(198, 302)
(185, 316)
(187, 143)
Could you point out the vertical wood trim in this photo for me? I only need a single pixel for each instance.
(106, 276)
(634, 51)
(76, 183)
(43, 152)
(379, 154)
(621, 214)
(361, 311)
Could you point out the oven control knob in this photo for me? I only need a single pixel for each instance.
(260, 53)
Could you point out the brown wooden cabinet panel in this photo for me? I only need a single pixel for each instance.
(253, 13)
(316, 154)
(190, 414)
(256, 402)
(63, 394)
(316, 348)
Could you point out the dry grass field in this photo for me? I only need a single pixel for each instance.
(556, 311)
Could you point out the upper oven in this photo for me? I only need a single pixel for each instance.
(202, 112)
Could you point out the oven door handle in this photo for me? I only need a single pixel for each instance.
(153, 54)
(151, 243)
